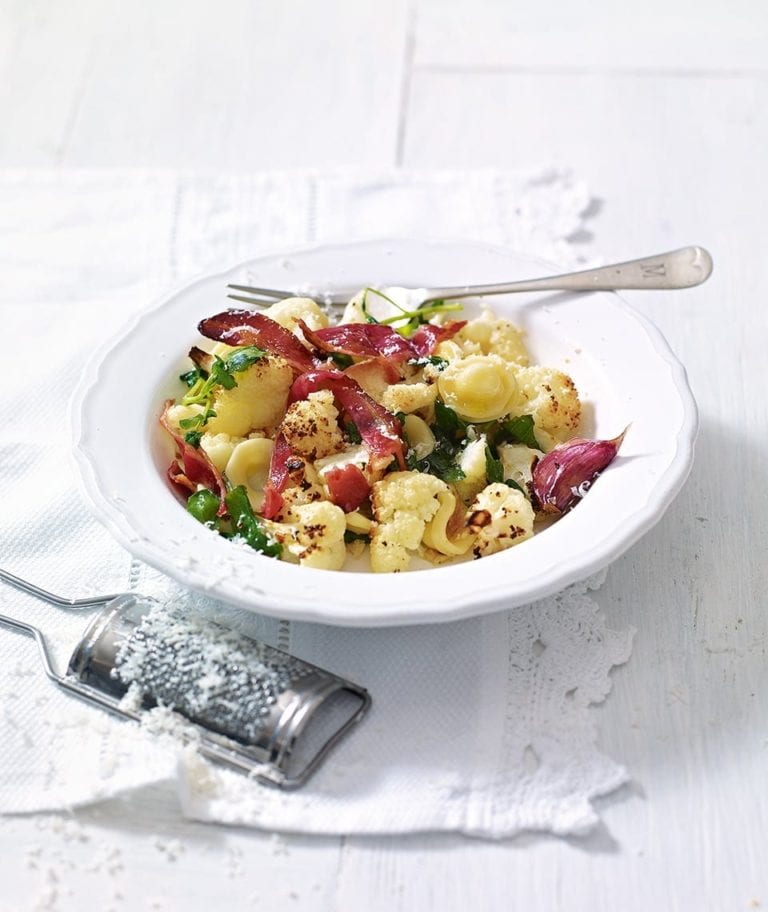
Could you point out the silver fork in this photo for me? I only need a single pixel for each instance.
(681, 268)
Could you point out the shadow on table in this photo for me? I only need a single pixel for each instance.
(688, 703)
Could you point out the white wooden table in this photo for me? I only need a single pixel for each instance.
(663, 109)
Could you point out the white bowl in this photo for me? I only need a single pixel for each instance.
(620, 362)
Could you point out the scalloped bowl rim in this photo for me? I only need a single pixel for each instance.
(298, 606)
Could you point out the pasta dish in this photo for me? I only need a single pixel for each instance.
(412, 434)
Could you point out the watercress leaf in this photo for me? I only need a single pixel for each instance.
(439, 363)
(191, 377)
(341, 360)
(193, 438)
(447, 420)
(193, 422)
(453, 473)
(243, 358)
(350, 536)
(353, 434)
(513, 484)
(518, 430)
(493, 469)
(221, 376)
(248, 526)
(203, 505)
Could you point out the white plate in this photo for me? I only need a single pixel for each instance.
(622, 366)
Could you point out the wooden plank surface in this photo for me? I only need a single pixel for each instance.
(194, 85)
(663, 109)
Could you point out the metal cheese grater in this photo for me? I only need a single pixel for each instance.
(251, 707)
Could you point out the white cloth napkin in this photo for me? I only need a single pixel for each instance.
(482, 726)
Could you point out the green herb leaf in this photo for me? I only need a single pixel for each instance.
(364, 305)
(439, 363)
(449, 431)
(493, 468)
(248, 526)
(350, 536)
(518, 430)
(441, 462)
(191, 377)
(513, 484)
(242, 359)
(203, 505)
(221, 376)
(341, 360)
(353, 434)
(193, 438)
(453, 473)
(447, 421)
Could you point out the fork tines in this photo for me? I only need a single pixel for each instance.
(261, 302)
(274, 293)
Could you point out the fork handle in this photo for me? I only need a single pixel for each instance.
(681, 268)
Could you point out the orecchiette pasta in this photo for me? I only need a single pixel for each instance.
(438, 534)
(248, 465)
(218, 448)
(420, 438)
(479, 387)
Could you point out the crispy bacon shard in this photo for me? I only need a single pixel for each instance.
(279, 473)
(192, 467)
(380, 431)
(179, 480)
(243, 327)
(428, 336)
(348, 487)
(376, 340)
(361, 340)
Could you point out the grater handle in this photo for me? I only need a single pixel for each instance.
(30, 588)
(38, 637)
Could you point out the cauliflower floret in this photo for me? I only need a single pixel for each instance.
(179, 413)
(500, 517)
(289, 311)
(550, 396)
(320, 529)
(409, 397)
(258, 400)
(304, 487)
(488, 335)
(311, 426)
(403, 504)
(449, 350)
